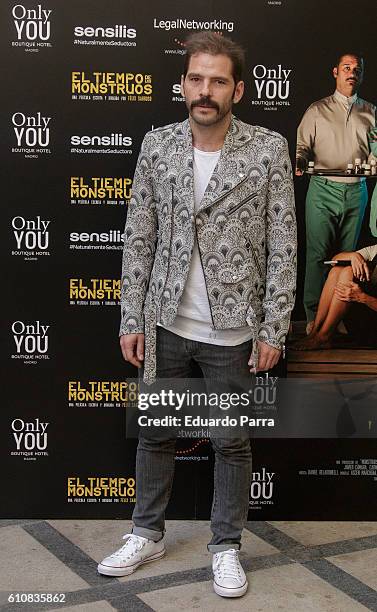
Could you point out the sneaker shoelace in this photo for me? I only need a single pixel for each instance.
(130, 548)
(227, 564)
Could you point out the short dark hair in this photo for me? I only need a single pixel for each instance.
(215, 44)
(359, 56)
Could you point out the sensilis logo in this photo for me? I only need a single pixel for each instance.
(177, 93)
(92, 241)
(114, 36)
(114, 143)
(113, 140)
(118, 31)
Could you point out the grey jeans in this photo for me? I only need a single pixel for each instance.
(155, 457)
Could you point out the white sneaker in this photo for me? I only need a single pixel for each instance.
(136, 551)
(229, 578)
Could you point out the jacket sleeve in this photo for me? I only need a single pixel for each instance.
(306, 135)
(281, 245)
(140, 235)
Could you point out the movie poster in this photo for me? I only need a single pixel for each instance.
(84, 83)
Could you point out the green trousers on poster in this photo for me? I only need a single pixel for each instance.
(373, 213)
(334, 214)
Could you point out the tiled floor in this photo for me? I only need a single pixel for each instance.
(291, 566)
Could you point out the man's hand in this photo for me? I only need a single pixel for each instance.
(132, 346)
(349, 292)
(300, 166)
(268, 358)
(359, 267)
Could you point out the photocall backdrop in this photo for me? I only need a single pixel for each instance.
(82, 83)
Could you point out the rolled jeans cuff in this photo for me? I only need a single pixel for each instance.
(150, 534)
(216, 548)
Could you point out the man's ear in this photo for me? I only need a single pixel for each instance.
(238, 92)
(182, 86)
(335, 72)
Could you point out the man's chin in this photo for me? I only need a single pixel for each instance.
(353, 88)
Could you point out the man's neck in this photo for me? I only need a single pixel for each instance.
(348, 93)
(209, 137)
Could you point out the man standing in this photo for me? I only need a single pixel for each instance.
(333, 133)
(208, 276)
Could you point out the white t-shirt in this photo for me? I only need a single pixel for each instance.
(193, 320)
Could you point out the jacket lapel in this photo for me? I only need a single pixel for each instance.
(229, 171)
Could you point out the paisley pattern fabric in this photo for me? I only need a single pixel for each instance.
(245, 227)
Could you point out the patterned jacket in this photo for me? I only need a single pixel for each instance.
(245, 227)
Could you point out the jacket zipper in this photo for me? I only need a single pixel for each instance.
(205, 280)
(249, 197)
(256, 261)
(226, 194)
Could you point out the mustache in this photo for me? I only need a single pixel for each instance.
(205, 101)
